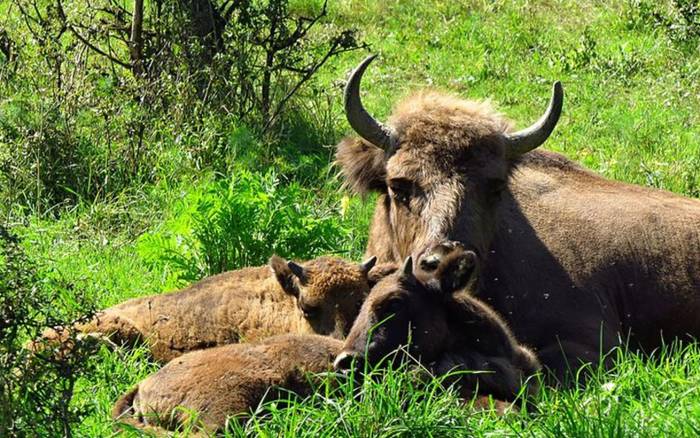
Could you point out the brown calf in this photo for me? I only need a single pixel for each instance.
(217, 383)
(320, 296)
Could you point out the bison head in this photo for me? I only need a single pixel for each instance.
(328, 290)
(441, 164)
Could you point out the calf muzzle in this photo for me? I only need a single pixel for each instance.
(347, 361)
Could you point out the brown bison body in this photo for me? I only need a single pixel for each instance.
(231, 380)
(575, 262)
(444, 328)
(321, 296)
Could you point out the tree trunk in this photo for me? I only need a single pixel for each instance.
(207, 25)
(136, 39)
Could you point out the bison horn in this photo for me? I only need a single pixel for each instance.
(368, 264)
(365, 125)
(528, 139)
(407, 269)
(297, 270)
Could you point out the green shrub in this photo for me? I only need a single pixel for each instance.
(80, 123)
(81, 145)
(36, 391)
(680, 19)
(241, 221)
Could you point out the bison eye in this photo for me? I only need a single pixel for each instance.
(399, 196)
(401, 190)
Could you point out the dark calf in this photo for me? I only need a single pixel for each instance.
(448, 329)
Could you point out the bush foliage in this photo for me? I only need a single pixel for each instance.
(42, 384)
(241, 221)
(92, 109)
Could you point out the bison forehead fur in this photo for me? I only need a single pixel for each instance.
(441, 122)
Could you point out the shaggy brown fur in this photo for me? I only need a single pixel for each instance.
(575, 262)
(217, 383)
(448, 329)
(244, 305)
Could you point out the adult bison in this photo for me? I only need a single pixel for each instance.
(576, 263)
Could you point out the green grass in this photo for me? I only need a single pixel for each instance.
(632, 113)
(639, 397)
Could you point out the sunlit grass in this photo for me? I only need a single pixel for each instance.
(632, 113)
(640, 396)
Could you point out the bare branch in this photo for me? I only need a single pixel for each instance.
(301, 30)
(98, 50)
(336, 48)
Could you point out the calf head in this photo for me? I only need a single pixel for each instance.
(410, 309)
(328, 290)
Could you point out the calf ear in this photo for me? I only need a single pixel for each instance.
(456, 273)
(368, 264)
(363, 165)
(407, 274)
(284, 275)
(380, 271)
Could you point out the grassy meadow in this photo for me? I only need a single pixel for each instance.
(100, 221)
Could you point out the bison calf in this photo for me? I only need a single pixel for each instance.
(321, 296)
(448, 329)
(217, 383)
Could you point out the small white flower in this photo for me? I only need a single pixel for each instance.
(608, 387)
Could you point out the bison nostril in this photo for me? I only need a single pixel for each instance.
(344, 361)
(430, 259)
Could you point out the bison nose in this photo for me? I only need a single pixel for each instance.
(344, 361)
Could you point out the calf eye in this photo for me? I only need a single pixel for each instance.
(310, 312)
(394, 305)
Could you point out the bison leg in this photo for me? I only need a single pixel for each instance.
(115, 328)
(104, 328)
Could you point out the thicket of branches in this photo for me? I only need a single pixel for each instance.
(98, 87)
(41, 384)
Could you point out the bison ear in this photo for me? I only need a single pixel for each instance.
(284, 275)
(297, 270)
(362, 165)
